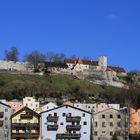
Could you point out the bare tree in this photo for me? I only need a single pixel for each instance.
(59, 57)
(50, 56)
(35, 57)
(12, 54)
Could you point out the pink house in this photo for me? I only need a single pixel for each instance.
(15, 105)
(102, 107)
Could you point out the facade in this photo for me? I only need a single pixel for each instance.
(49, 106)
(15, 105)
(25, 125)
(135, 122)
(5, 124)
(97, 107)
(31, 103)
(108, 122)
(66, 122)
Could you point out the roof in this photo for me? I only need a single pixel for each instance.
(107, 110)
(81, 61)
(5, 104)
(67, 106)
(116, 69)
(56, 64)
(25, 108)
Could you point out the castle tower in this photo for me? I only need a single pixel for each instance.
(102, 62)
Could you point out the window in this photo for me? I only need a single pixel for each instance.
(103, 116)
(119, 124)
(6, 110)
(111, 116)
(96, 133)
(83, 114)
(55, 114)
(85, 132)
(64, 114)
(111, 133)
(6, 118)
(96, 124)
(61, 123)
(103, 124)
(135, 123)
(84, 123)
(119, 116)
(111, 123)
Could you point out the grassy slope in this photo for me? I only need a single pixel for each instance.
(18, 86)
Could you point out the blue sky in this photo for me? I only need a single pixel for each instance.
(81, 27)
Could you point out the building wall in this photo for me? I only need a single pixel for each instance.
(48, 106)
(31, 103)
(17, 66)
(5, 130)
(85, 129)
(108, 122)
(15, 106)
(134, 121)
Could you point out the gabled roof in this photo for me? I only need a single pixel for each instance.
(5, 104)
(67, 106)
(81, 61)
(25, 108)
(107, 110)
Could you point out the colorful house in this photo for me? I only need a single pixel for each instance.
(66, 122)
(15, 105)
(31, 103)
(25, 124)
(5, 124)
(135, 122)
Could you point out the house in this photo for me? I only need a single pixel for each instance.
(49, 106)
(66, 122)
(97, 107)
(135, 123)
(15, 105)
(25, 125)
(31, 103)
(86, 106)
(5, 124)
(108, 122)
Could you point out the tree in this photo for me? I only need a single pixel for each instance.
(35, 57)
(12, 54)
(59, 57)
(50, 56)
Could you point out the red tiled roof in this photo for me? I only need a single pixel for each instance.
(116, 69)
(81, 61)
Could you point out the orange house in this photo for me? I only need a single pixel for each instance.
(134, 121)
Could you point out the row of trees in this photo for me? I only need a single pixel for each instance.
(36, 56)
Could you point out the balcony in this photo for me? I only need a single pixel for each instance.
(1, 123)
(73, 119)
(26, 116)
(25, 135)
(73, 127)
(1, 114)
(52, 118)
(52, 127)
(68, 136)
(25, 125)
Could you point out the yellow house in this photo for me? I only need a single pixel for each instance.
(25, 124)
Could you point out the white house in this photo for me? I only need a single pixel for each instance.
(31, 103)
(66, 122)
(48, 106)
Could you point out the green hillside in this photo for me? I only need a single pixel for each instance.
(18, 86)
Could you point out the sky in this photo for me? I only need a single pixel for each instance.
(81, 27)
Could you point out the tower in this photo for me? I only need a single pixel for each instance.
(103, 62)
